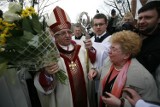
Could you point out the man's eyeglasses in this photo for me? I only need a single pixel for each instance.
(98, 24)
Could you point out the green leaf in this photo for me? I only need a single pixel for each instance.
(17, 42)
(7, 55)
(27, 36)
(19, 47)
(27, 25)
(15, 32)
(37, 25)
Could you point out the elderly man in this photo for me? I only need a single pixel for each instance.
(74, 93)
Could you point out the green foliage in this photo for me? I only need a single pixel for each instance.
(37, 25)
(26, 43)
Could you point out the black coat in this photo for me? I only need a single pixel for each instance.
(149, 55)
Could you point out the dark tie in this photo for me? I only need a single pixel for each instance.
(97, 39)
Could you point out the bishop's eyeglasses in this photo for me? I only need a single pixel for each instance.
(63, 32)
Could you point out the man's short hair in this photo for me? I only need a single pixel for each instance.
(113, 11)
(150, 6)
(100, 16)
(77, 25)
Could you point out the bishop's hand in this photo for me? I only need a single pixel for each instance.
(52, 68)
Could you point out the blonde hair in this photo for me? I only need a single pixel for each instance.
(129, 41)
(129, 16)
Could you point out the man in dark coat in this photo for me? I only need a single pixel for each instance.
(149, 27)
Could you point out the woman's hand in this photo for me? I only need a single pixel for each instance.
(92, 74)
(52, 68)
(111, 100)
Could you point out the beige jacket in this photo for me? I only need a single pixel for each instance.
(139, 78)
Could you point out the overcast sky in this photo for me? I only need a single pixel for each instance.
(75, 7)
(72, 7)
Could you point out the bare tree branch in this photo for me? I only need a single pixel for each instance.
(45, 5)
(118, 9)
(124, 10)
(109, 4)
(125, 6)
(105, 10)
(42, 7)
(129, 6)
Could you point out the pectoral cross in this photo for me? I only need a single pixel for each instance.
(72, 65)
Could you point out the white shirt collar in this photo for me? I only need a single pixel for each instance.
(67, 48)
(99, 36)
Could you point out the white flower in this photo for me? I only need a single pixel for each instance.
(10, 17)
(15, 7)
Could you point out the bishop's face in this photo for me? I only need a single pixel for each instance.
(64, 37)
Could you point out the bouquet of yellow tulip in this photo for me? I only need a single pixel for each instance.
(25, 42)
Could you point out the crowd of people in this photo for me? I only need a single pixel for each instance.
(117, 67)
